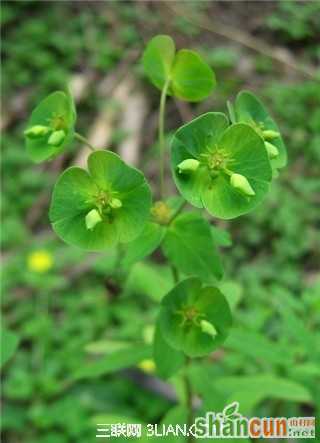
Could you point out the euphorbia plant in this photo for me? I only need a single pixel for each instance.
(221, 165)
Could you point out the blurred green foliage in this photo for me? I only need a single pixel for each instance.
(75, 313)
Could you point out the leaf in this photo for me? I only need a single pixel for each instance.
(182, 310)
(221, 237)
(250, 109)
(144, 245)
(188, 76)
(77, 192)
(188, 244)
(9, 344)
(258, 346)
(115, 361)
(56, 112)
(267, 385)
(221, 152)
(158, 59)
(192, 79)
(168, 360)
(233, 292)
(151, 280)
(178, 415)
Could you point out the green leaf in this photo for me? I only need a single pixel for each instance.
(233, 292)
(9, 344)
(192, 79)
(221, 237)
(151, 280)
(250, 109)
(221, 152)
(57, 113)
(267, 385)
(168, 360)
(115, 361)
(158, 59)
(78, 192)
(144, 245)
(188, 244)
(182, 310)
(258, 347)
(178, 415)
(188, 76)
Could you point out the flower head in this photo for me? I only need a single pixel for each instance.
(232, 170)
(39, 261)
(51, 127)
(108, 204)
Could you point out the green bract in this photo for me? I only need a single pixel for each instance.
(222, 152)
(195, 319)
(187, 75)
(249, 109)
(51, 127)
(108, 204)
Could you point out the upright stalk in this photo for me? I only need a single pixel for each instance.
(188, 392)
(83, 140)
(161, 134)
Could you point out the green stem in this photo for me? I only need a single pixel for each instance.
(83, 140)
(189, 405)
(175, 274)
(177, 212)
(161, 134)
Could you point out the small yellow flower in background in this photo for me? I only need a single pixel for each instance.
(147, 366)
(40, 261)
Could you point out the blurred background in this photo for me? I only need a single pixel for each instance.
(63, 307)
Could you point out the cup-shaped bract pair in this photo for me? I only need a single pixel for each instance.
(249, 109)
(51, 126)
(98, 208)
(184, 72)
(230, 170)
(195, 319)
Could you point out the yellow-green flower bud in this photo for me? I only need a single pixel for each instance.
(36, 131)
(240, 182)
(56, 138)
(115, 203)
(92, 219)
(269, 134)
(189, 165)
(272, 150)
(208, 328)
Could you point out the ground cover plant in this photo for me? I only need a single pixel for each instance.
(218, 197)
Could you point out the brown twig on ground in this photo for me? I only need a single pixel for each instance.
(278, 54)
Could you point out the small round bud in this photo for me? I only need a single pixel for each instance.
(115, 203)
(208, 328)
(161, 213)
(36, 131)
(240, 182)
(271, 149)
(92, 219)
(56, 138)
(189, 165)
(269, 134)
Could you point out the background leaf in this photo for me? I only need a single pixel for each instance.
(115, 361)
(9, 344)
